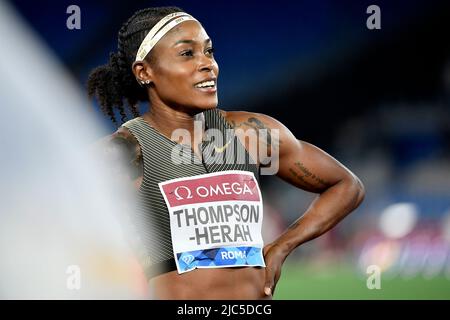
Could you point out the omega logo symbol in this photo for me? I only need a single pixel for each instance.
(177, 193)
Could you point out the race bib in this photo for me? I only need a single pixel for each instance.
(215, 220)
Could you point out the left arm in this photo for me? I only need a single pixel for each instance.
(308, 168)
(340, 192)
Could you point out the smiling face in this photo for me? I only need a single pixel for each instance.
(182, 69)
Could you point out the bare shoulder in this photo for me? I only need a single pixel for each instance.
(241, 117)
(122, 138)
(124, 133)
(252, 119)
(121, 141)
(122, 153)
(257, 121)
(270, 133)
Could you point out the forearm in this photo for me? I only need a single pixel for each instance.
(324, 213)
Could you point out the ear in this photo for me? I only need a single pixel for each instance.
(142, 71)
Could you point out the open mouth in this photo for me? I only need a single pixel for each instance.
(207, 86)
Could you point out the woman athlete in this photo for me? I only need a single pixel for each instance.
(171, 67)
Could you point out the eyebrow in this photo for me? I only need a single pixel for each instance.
(189, 41)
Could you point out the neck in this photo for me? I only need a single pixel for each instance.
(166, 119)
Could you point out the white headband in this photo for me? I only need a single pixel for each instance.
(156, 33)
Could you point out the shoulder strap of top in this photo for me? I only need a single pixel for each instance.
(230, 150)
(214, 119)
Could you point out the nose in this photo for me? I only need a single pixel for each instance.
(206, 63)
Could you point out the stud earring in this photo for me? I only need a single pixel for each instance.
(147, 81)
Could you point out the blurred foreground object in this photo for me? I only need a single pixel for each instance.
(60, 236)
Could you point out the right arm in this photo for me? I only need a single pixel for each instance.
(122, 153)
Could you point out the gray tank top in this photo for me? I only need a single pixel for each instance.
(153, 228)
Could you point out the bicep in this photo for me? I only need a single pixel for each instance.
(309, 167)
(299, 163)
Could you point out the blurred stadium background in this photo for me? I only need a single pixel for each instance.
(377, 100)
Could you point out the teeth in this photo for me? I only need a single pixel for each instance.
(210, 83)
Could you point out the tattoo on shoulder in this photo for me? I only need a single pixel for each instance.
(257, 125)
(128, 152)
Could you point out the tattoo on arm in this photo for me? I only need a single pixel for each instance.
(311, 175)
(301, 178)
(307, 178)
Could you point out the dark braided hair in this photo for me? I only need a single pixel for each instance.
(115, 82)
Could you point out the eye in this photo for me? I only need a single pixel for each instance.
(210, 51)
(187, 53)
